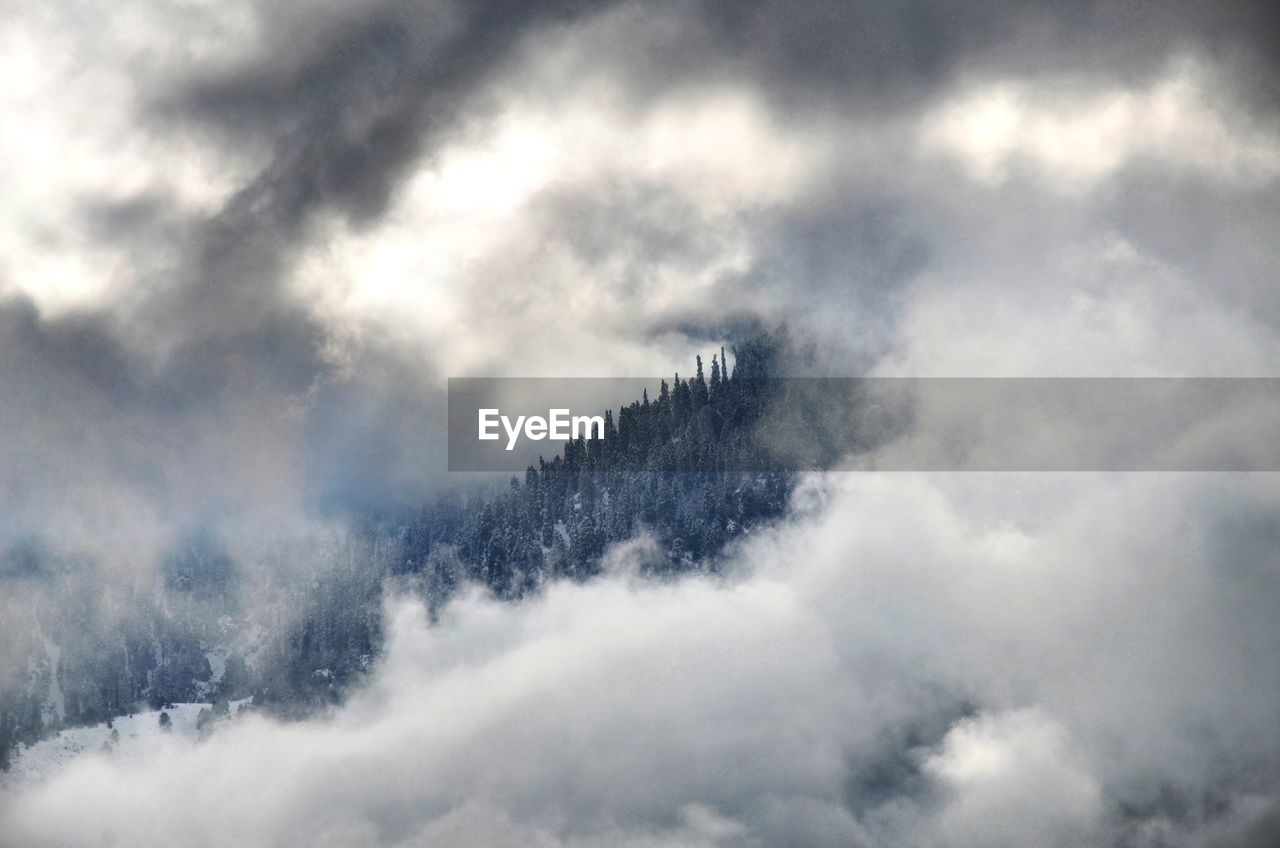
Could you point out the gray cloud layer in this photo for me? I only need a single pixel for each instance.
(215, 365)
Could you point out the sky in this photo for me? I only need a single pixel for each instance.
(244, 244)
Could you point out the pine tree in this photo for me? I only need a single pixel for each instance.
(698, 391)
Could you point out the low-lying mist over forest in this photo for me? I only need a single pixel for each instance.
(907, 660)
(244, 245)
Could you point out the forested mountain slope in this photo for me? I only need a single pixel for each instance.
(305, 623)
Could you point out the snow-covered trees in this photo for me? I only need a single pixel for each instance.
(685, 467)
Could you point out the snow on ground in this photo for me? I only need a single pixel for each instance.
(129, 738)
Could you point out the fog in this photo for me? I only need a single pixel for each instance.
(243, 245)
(959, 660)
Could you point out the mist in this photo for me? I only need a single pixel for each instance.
(244, 245)
(950, 660)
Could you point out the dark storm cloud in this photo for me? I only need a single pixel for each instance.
(881, 56)
(839, 260)
(214, 337)
(353, 107)
(345, 100)
(350, 109)
(345, 119)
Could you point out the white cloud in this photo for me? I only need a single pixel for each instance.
(76, 83)
(1089, 627)
(476, 263)
(1012, 779)
(1074, 140)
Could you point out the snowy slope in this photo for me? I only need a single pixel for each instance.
(130, 738)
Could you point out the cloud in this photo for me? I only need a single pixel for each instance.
(996, 768)
(1076, 143)
(243, 244)
(170, 379)
(566, 229)
(948, 661)
(94, 197)
(278, 228)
